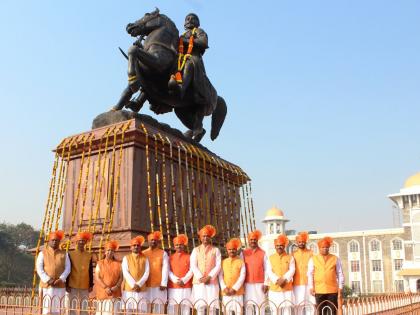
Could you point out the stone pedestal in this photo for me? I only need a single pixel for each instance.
(137, 175)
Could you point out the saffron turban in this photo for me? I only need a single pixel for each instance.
(254, 235)
(181, 239)
(86, 236)
(156, 235)
(113, 244)
(325, 242)
(234, 243)
(302, 237)
(138, 240)
(208, 230)
(281, 240)
(56, 235)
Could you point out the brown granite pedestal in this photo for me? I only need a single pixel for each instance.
(142, 175)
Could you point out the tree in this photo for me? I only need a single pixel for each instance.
(16, 264)
(347, 291)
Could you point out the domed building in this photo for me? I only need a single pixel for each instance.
(274, 221)
(374, 261)
(408, 201)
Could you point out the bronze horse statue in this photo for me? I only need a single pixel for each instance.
(152, 60)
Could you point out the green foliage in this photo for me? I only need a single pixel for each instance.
(347, 291)
(16, 264)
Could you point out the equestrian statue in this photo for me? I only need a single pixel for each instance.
(168, 71)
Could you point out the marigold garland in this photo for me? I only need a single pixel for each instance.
(182, 58)
(149, 189)
(101, 173)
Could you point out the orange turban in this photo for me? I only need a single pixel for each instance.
(86, 236)
(208, 230)
(112, 245)
(281, 240)
(302, 237)
(325, 242)
(181, 239)
(139, 240)
(56, 235)
(234, 243)
(254, 235)
(156, 235)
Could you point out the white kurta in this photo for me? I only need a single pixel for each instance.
(233, 303)
(155, 295)
(53, 298)
(205, 295)
(135, 300)
(254, 292)
(180, 295)
(282, 300)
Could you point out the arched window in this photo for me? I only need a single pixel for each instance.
(375, 245)
(334, 248)
(353, 246)
(397, 244)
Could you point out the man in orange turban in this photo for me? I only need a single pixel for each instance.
(232, 277)
(300, 279)
(135, 269)
(53, 266)
(80, 280)
(256, 279)
(325, 277)
(282, 269)
(180, 274)
(108, 278)
(206, 262)
(159, 270)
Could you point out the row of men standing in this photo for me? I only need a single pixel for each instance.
(183, 280)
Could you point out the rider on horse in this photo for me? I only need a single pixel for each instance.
(189, 92)
(193, 44)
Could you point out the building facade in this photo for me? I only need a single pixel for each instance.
(374, 261)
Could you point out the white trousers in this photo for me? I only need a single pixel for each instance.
(179, 298)
(158, 299)
(233, 304)
(304, 300)
(283, 302)
(108, 307)
(53, 301)
(77, 299)
(135, 301)
(254, 298)
(205, 296)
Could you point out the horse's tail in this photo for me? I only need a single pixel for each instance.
(218, 117)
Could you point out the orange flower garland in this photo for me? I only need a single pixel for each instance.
(182, 58)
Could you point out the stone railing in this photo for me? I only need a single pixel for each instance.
(20, 303)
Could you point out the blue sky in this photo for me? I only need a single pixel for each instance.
(323, 97)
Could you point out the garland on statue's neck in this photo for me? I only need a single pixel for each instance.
(182, 58)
